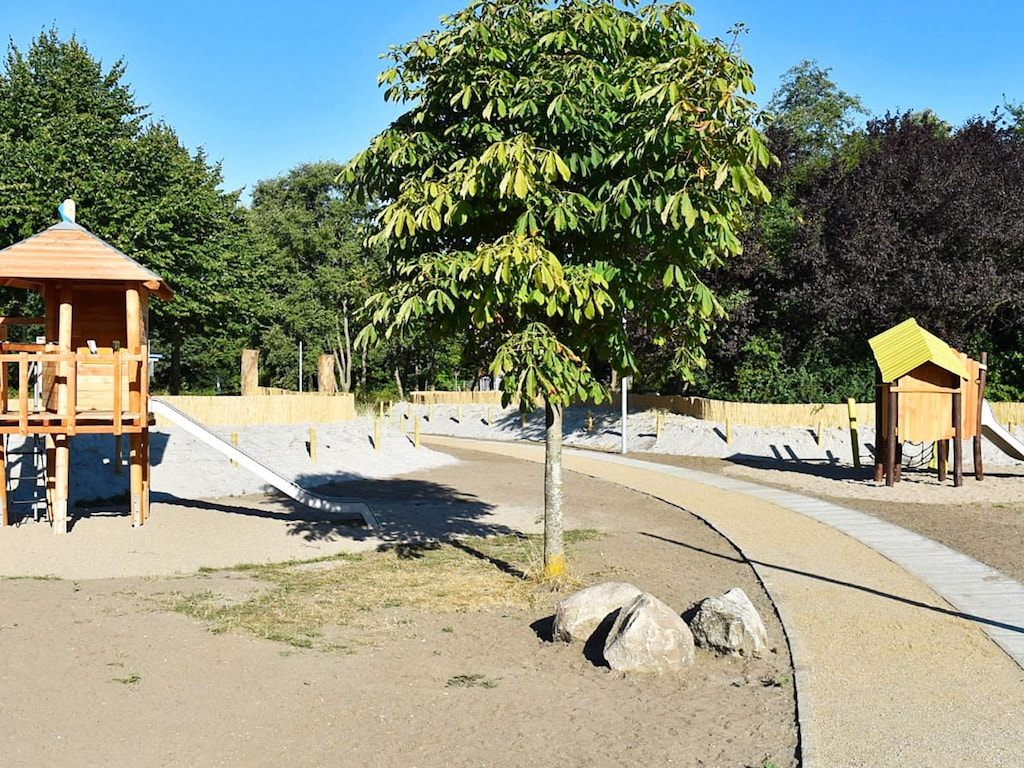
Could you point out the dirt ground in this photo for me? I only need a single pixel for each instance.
(96, 672)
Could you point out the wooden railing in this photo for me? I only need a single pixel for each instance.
(59, 375)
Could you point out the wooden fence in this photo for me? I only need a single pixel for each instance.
(250, 410)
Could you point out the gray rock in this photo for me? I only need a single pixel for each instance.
(578, 615)
(648, 636)
(729, 624)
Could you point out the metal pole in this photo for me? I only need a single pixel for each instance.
(626, 380)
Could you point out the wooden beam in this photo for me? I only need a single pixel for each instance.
(979, 470)
(61, 488)
(958, 442)
(3, 491)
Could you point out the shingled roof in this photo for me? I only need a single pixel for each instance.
(68, 251)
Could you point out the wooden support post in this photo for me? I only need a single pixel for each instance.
(458, 413)
(380, 409)
(136, 404)
(145, 474)
(490, 415)
(851, 407)
(819, 433)
(135, 478)
(4, 516)
(401, 426)
(979, 470)
(312, 444)
(958, 441)
(416, 435)
(250, 381)
(942, 459)
(890, 439)
(60, 494)
(326, 384)
(376, 435)
(881, 430)
(728, 431)
(234, 442)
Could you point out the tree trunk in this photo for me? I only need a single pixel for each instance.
(398, 381)
(554, 553)
(343, 355)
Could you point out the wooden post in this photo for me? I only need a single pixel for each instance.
(490, 415)
(376, 435)
(890, 438)
(851, 407)
(942, 458)
(65, 407)
(416, 435)
(819, 435)
(979, 470)
(881, 430)
(234, 442)
(590, 422)
(136, 449)
(60, 494)
(4, 518)
(728, 431)
(312, 444)
(118, 452)
(657, 426)
(326, 384)
(958, 442)
(250, 371)
(458, 413)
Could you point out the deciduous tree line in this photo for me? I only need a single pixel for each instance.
(869, 222)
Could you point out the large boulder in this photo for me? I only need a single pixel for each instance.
(578, 615)
(648, 636)
(729, 624)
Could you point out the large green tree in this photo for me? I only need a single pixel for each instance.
(71, 128)
(563, 172)
(319, 271)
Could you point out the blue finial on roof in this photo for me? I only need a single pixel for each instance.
(67, 210)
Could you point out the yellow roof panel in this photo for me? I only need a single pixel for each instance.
(904, 347)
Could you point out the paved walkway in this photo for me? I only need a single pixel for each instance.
(891, 633)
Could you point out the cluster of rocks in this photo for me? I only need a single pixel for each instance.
(635, 631)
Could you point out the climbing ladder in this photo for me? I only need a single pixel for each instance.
(24, 468)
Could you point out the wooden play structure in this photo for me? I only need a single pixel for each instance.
(87, 370)
(926, 392)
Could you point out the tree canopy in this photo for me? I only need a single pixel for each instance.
(71, 128)
(563, 171)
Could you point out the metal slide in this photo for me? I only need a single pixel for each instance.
(998, 434)
(335, 506)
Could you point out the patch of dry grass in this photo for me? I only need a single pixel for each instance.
(299, 599)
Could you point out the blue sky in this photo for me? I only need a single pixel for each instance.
(264, 87)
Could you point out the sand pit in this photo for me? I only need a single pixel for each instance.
(95, 644)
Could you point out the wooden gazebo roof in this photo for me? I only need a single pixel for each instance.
(68, 251)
